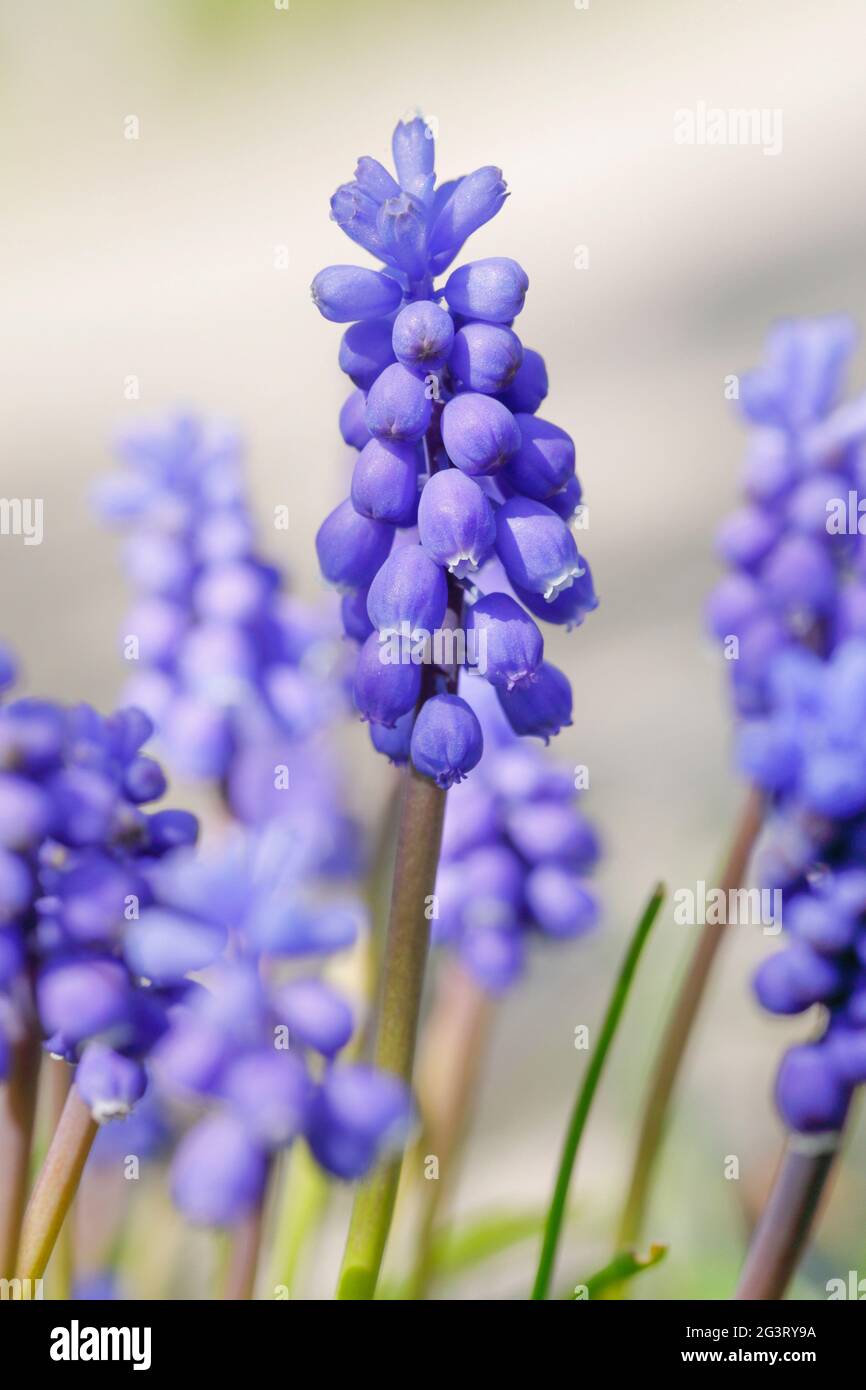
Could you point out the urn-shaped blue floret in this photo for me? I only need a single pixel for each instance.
(351, 548)
(541, 706)
(509, 644)
(536, 547)
(109, 1083)
(385, 688)
(218, 1172)
(544, 462)
(343, 293)
(398, 405)
(456, 523)
(485, 357)
(422, 336)
(479, 433)
(409, 589)
(385, 482)
(492, 289)
(446, 740)
(366, 350)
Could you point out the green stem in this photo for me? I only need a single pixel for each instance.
(303, 1200)
(418, 841)
(583, 1105)
(679, 1029)
(55, 1186)
(782, 1233)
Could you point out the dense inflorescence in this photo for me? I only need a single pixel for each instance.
(516, 854)
(244, 684)
(454, 468)
(792, 615)
(78, 855)
(809, 753)
(259, 1043)
(797, 566)
(238, 676)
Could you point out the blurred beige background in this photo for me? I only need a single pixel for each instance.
(155, 258)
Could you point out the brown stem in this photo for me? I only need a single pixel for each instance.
(243, 1263)
(55, 1186)
(679, 1027)
(17, 1114)
(454, 1043)
(782, 1233)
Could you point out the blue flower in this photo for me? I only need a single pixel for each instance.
(450, 402)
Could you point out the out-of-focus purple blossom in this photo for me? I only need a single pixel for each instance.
(791, 616)
(516, 855)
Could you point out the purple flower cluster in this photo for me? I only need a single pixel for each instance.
(796, 555)
(792, 614)
(259, 1049)
(454, 465)
(234, 672)
(243, 686)
(78, 902)
(515, 855)
(809, 753)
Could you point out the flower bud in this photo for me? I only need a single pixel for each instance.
(410, 589)
(384, 689)
(544, 462)
(352, 548)
(385, 482)
(218, 1172)
(479, 433)
(474, 200)
(422, 337)
(315, 1014)
(492, 289)
(446, 741)
(529, 387)
(365, 351)
(109, 1082)
(536, 547)
(455, 522)
(542, 706)
(398, 406)
(512, 643)
(343, 293)
(353, 420)
(485, 357)
(414, 153)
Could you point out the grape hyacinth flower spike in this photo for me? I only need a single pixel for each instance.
(79, 855)
(443, 402)
(794, 581)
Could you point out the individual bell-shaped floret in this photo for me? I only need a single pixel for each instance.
(479, 433)
(456, 523)
(510, 646)
(399, 405)
(385, 482)
(446, 741)
(422, 336)
(493, 289)
(410, 589)
(544, 462)
(384, 687)
(542, 706)
(352, 548)
(536, 547)
(344, 293)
